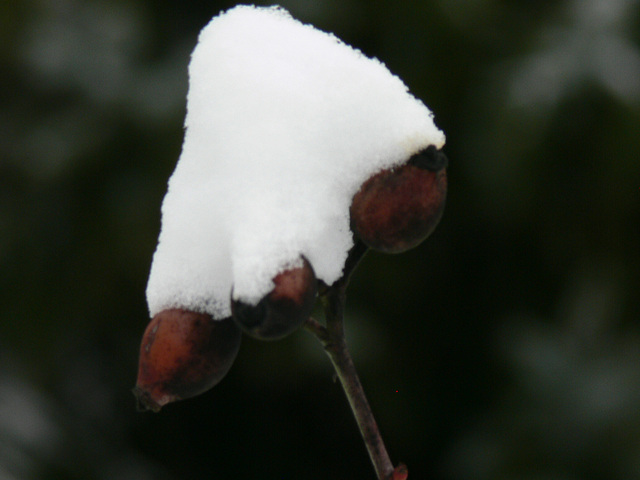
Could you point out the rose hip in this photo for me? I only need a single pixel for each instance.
(395, 210)
(282, 310)
(183, 354)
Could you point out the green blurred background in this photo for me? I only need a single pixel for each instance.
(507, 346)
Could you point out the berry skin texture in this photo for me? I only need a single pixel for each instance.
(395, 210)
(282, 310)
(183, 354)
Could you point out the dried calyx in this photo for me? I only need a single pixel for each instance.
(430, 159)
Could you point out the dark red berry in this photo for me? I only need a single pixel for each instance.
(282, 310)
(395, 210)
(183, 354)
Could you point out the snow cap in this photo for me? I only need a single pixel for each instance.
(284, 123)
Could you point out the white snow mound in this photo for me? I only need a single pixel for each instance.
(284, 123)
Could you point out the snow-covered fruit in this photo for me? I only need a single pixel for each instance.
(284, 123)
(182, 355)
(284, 308)
(396, 209)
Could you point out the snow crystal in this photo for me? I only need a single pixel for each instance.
(284, 123)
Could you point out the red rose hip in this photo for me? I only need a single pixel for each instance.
(183, 354)
(282, 310)
(395, 210)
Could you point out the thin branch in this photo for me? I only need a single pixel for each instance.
(344, 367)
(334, 343)
(316, 328)
(335, 296)
(356, 254)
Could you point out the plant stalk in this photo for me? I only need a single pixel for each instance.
(334, 343)
(339, 355)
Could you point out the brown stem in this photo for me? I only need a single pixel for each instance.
(339, 355)
(333, 340)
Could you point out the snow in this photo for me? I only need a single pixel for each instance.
(284, 123)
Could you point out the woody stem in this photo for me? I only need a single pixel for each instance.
(333, 340)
